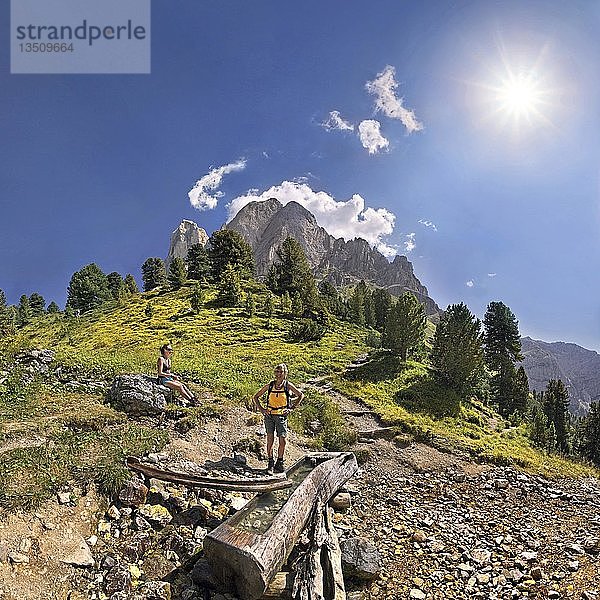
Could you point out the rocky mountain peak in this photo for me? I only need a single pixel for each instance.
(183, 238)
(265, 225)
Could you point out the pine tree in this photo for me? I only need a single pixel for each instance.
(286, 303)
(153, 273)
(291, 272)
(357, 306)
(88, 289)
(197, 298)
(131, 284)
(502, 349)
(539, 428)
(405, 326)
(297, 305)
(177, 273)
(330, 298)
(197, 262)
(24, 311)
(52, 308)
(228, 247)
(269, 306)
(116, 285)
(149, 310)
(250, 305)
(520, 392)
(457, 353)
(37, 304)
(556, 407)
(589, 446)
(5, 318)
(230, 287)
(382, 302)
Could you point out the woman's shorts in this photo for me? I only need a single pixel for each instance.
(276, 423)
(163, 380)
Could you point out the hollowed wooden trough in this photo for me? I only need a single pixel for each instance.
(246, 551)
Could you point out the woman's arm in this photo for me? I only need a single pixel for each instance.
(297, 393)
(256, 397)
(159, 366)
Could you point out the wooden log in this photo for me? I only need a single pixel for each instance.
(377, 434)
(250, 559)
(264, 484)
(318, 565)
(280, 588)
(341, 502)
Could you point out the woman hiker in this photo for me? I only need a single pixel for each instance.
(282, 397)
(168, 379)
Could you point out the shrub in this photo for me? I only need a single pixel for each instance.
(306, 330)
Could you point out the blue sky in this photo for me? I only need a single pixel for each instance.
(97, 168)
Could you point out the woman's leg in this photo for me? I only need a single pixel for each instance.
(179, 387)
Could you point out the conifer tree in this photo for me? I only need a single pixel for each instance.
(197, 298)
(502, 349)
(197, 262)
(556, 407)
(589, 446)
(457, 353)
(177, 273)
(131, 284)
(520, 392)
(88, 289)
(149, 310)
(269, 306)
(297, 305)
(382, 302)
(153, 273)
(228, 247)
(291, 272)
(357, 306)
(250, 305)
(229, 287)
(405, 326)
(24, 311)
(5, 318)
(330, 298)
(52, 308)
(286, 303)
(37, 304)
(116, 285)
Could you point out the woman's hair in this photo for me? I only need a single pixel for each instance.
(283, 368)
(163, 348)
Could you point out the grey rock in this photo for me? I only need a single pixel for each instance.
(182, 239)
(360, 559)
(265, 225)
(133, 493)
(138, 395)
(153, 590)
(81, 556)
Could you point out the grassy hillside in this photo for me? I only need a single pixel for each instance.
(50, 434)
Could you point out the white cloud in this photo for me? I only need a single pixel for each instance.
(346, 219)
(428, 224)
(470, 283)
(266, 155)
(409, 244)
(370, 136)
(335, 121)
(383, 87)
(491, 274)
(199, 195)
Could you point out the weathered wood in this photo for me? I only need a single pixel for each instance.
(250, 560)
(376, 434)
(341, 502)
(265, 484)
(318, 565)
(280, 588)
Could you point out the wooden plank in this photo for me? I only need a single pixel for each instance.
(265, 484)
(376, 434)
(250, 560)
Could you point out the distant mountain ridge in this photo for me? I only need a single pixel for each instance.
(265, 225)
(577, 367)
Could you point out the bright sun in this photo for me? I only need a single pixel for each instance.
(520, 96)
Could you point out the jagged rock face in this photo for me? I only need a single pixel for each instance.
(183, 238)
(265, 225)
(578, 368)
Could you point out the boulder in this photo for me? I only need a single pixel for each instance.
(138, 395)
(360, 559)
